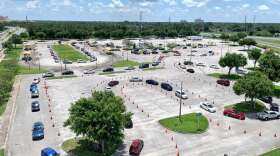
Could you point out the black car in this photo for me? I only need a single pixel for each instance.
(188, 63)
(144, 65)
(152, 82)
(109, 69)
(154, 52)
(274, 107)
(35, 106)
(190, 70)
(166, 86)
(113, 83)
(67, 72)
(155, 63)
(266, 99)
(129, 124)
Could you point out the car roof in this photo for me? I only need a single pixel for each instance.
(49, 150)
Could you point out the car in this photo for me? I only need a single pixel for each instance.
(274, 107)
(129, 124)
(113, 83)
(223, 82)
(193, 51)
(35, 106)
(81, 61)
(203, 54)
(181, 94)
(266, 99)
(130, 68)
(36, 80)
(67, 62)
(49, 152)
(33, 87)
(89, 71)
(146, 52)
(107, 88)
(188, 63)
(166, 86)
(135, 79)
(56, 61)
(135, 51)
(208, 107)
(154, 51)
(136, 147)
(234, 114)
(155, 63)
(93, 59)
(67, 72)
(241, 71)
(211, 53)
(48, 74)
(213, 66)
(183, 66)
(191, 55)
(268, 115)
(152, 82)
(201, 64)
(144, 65)
(109, 69)
(38, 131)
(176, 53)
(190, 70)
(35, 93)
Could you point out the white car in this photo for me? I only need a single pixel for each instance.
(182, 66)
(240, 71)
(181, 94)
(200, 64)
(208, 107)
(89, 71)
(108, 88)
(213, 66)
(135, 79)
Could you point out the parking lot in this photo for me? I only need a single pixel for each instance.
(149, 104)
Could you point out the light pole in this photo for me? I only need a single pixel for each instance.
(180, 110)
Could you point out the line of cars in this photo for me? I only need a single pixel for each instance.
(85, 51)
(38, 129)
(53, 54)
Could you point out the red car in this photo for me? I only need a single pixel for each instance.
(234, 114)
(136, 147)
(113, 83)
(223, 82)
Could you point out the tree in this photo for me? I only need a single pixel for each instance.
(41, 35)
(224, 36)
(254, 54)
(234, 38)
(253, 85)
(232, 60)
(248, 41)
(24, 35)
(100, 118)
(269, 64)
(16, 39)
(241, 35)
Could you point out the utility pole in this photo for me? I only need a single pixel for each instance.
(140, 19)
(254, 22)
(180, 110)
(245, 24)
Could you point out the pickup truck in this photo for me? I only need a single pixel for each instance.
(268, 115)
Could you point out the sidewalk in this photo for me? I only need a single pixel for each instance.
(2, 55)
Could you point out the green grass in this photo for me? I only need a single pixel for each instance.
(188, 124)
(276, 91)
(61, 77)
(225, 76)
(247, 107)
(125, 63)
(1, 152)
(82, 147)
(109, 73)
(275, 152)
(25, 70)
(66, 52)
(153, 68)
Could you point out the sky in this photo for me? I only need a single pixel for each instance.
(152, 10)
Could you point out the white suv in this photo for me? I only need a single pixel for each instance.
(181, 94)
(208, 107)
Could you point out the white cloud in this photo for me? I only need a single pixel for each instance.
(67, 3)
(170, 2)
(263, 7)
(116, 4)
(217, 8)
(195, 3)
(32, 4)
(245, 5)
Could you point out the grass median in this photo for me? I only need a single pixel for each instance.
(190, 123)
(82, 147)
(225, 76)
(125, 63)
(275, 152)
(66, 52)
(247, 107)
(2, 152)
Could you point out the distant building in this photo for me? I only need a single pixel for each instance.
(3, 18)
(199, 20)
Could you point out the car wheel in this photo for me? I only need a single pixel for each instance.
(266, 119)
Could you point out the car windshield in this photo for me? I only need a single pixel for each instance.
(210, 106)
